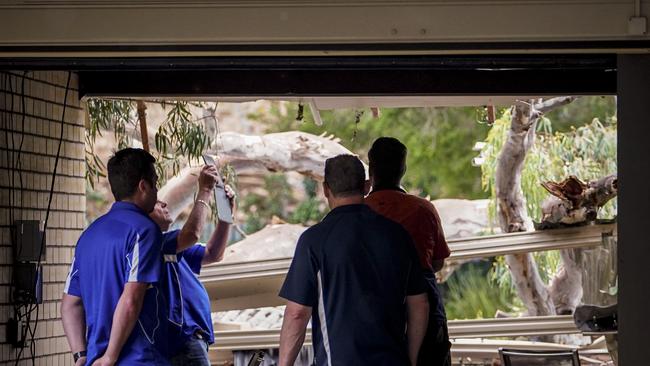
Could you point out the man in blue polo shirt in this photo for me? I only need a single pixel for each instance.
(112, 303)
(354, 276)
(189, 318)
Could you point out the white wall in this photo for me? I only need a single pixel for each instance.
(212, 22)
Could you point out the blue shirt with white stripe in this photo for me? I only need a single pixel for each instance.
(355, 269)
(121, 246)
(189, 310)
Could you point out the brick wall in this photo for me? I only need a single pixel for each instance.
(44, 99)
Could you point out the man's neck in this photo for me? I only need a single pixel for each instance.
(378, 186)
(344, 201)
(133, 201)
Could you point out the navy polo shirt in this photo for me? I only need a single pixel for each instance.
(121, 246)
(189, 310)
(355, 269)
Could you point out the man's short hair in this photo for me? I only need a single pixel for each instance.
(125, 170)
(387, 158)
(345, 175)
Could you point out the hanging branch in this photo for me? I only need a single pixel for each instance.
(142, 119)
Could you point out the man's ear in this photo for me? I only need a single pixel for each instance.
(326, 190)
(143, 186)
(366, 187)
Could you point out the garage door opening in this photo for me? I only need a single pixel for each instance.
(454, 115)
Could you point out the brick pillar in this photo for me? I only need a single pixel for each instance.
(44, 99)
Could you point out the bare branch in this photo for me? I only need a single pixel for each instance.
(553, 103)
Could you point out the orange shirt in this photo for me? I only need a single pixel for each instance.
(418, 216)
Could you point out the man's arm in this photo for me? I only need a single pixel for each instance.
(73, 317)
(124, 319)
(292, 335)
(440, 247)
(191, 231)
(418, 320)
(216, 246)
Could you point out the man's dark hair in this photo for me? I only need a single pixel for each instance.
(387, 158)
(125, 170)
(345, 175)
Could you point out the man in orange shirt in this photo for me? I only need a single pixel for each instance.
(418, 216)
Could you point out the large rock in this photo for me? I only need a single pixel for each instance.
(273, 241)
(459, 218)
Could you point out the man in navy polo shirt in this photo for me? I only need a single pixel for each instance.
(112, 303)
(354, 276)
(189, 318)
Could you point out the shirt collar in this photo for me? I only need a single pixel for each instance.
(130, 206)
(360, 207)
(387, 188)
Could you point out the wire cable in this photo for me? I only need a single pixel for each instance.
(36, 308)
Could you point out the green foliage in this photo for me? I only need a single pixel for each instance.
(278, 201)
(310, 210)
(105, 114)
(439, 140)
(587, 151)
(581, 111)
(260, 208)
(179, 137)
(471, 295)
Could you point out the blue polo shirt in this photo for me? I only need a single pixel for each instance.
(355, 269)
(121, 246)
(189, 310)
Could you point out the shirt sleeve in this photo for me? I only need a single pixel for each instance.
(72, 281)
(440, 247)
(194, 256)
(300, 285)
(145, 257)
(416, 283)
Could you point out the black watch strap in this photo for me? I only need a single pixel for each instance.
(79, 355)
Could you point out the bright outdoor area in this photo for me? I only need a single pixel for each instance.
(532, 236)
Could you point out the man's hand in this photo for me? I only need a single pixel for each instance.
(417, 322)
(216, 245)
(103, 361)
(208, 178)
(232, 197)
(81, 361)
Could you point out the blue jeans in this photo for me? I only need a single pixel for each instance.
(194, 353)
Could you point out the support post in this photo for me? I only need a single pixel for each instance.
(633, 92)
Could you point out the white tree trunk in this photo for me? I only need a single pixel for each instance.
(512, 205)
(277, 152)
(285, 151)
(566, 286)
(179, 191)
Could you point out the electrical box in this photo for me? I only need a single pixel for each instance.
(29, 241)
(15, 333)
(28, 283)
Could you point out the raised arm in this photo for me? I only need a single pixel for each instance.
(292, 335)
(191, 231)
(216, 246)
(418, 319)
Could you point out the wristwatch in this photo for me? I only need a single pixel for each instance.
(79, 355)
